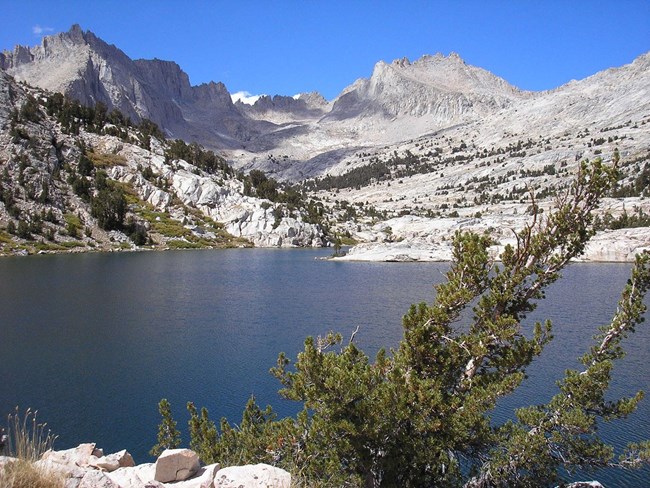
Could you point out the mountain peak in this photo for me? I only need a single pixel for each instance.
(75, 35)
(76, 31)
(444, 88)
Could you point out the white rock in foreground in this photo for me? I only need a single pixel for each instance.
(252, 476)
(121, 459)
(95, 479)
(77, 456)
(176, 465)
(204, 478)
(133, 476)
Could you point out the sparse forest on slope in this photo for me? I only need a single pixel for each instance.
(75, 177)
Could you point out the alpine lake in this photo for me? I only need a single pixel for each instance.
(94, 341)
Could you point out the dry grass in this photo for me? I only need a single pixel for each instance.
(101, 160)
(24, 474)
(27, 441)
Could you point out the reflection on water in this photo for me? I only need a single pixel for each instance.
(94, 341)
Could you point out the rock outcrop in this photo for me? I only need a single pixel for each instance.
(252, 476)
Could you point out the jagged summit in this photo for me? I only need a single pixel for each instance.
(281, 109)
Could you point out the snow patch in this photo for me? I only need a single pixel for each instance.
(245, 97)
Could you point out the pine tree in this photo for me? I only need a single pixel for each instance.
(168, 435)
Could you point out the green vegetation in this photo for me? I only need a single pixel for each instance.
(640, 186)
(168, 435)
(194, 154)
(109, 208)
(357, 177)
(72, 224)
(177, 236)
(624, 221)
(420, 415)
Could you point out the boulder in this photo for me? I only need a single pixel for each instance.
(204, 478)
(134, 476)
(96, 479)
(77, 456)
(121, 459)
(176, 465)
(252, 476)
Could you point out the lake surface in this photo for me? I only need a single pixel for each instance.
(94, 341)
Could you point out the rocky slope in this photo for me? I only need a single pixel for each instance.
(74, 183)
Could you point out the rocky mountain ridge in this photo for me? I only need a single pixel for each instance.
(86, 68)
(399, 101)
(445, 89)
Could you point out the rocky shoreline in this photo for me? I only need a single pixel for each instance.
(417, 239)
(608, 246)
(86, 466)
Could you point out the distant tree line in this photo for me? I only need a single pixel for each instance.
(196, 155)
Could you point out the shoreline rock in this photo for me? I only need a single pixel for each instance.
(86, 466)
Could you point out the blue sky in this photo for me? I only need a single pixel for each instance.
(286, 47)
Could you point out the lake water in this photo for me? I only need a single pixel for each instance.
(94, 341)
